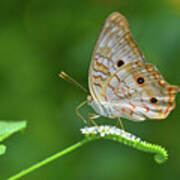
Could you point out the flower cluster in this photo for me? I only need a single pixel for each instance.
(108, 130)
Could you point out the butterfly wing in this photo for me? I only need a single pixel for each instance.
(138, 91)
(114, 48)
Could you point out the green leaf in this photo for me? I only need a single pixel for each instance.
(2, 149)
(9, 128)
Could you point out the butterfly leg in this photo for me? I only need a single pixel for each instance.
(92, 117)
(78, 113)
(121, 124)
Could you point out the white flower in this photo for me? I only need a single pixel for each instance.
(84, 130)
(106, 130)
(133, 138)
(102, 131)
(138, 139)
(92, 130)
(112, 130)
(118, 132)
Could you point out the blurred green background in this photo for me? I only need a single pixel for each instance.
(38, 39)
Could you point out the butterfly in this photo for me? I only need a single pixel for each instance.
(121, 83)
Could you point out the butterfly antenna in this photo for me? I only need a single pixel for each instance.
(69, 79)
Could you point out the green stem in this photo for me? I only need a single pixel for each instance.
(49, 159)
(123, 137)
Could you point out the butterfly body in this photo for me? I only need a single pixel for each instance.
(121, 83)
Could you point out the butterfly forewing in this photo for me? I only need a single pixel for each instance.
(114, 48)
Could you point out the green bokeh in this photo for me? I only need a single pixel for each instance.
(38, 39)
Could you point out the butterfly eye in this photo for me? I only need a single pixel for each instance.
(140, 80)
(153, 100)
(120, 63)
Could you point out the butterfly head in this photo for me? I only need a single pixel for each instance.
(89, 98)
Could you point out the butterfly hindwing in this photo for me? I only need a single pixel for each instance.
(138, 91)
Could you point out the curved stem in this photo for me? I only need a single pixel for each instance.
(119, 135)
(48, 160)
(103, 132)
